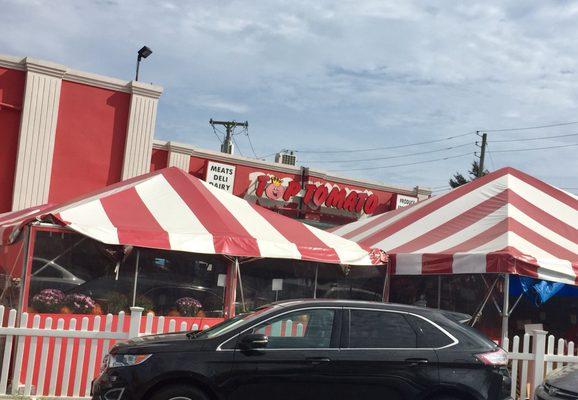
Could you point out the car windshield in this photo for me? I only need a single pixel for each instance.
(230, 324)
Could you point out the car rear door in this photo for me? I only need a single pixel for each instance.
(379, 358)
(300, 343)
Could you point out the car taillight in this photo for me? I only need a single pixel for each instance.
(495, 358)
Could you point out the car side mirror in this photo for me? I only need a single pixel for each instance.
(253, 341)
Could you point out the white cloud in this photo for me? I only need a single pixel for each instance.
(332, 74)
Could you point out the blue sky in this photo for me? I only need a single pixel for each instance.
(337, 75)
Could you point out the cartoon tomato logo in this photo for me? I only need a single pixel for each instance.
(275, 190)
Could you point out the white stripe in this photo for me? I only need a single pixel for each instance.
(542, 230)
(270, 241)
(91, 220)
(469, 263)
(556, 270)
(186, 232)
(443, 214)
(406, 212)
(408, 264)
(544, 201)
(467, 233)
(348, 251)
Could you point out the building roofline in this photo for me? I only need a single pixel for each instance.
(76, 76)
(290, 169)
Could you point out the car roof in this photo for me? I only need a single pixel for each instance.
(354, 303)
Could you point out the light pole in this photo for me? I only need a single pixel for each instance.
(142, 53)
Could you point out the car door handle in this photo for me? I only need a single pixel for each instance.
(318, 360)
(415, 362)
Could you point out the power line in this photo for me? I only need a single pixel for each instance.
(533, 138)
(402, 165)
(536, 148)
(384, 148)
(532, 127)
(250, 143)
(388, 157)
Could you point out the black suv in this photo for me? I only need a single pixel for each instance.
(312, 349)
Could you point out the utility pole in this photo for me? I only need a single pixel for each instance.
(482, 154)
(227, 145)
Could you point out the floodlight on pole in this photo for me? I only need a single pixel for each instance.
(144, 52)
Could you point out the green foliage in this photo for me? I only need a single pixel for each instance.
(459, 179)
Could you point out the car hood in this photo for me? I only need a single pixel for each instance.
(168, 342)
(565, 378)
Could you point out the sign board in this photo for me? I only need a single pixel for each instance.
(221, 176)
(404, 201)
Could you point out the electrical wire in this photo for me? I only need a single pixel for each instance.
(218, 137)
(402, 165)
(388, 157)
(532, 127)
(536, 148)
(532, 138)
(250, 142)
(383, 148)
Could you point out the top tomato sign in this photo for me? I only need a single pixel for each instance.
(318, 195)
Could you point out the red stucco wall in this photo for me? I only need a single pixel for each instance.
(11, 99)
(90, 140)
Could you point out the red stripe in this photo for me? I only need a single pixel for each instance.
(309, 245)
(544, 187)
(455, 224)
(229, 236)
(134, 222)
(436, 204)
(436, 264)
(541, 216)
(377, 220)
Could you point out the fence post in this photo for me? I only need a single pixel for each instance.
(539, 352)
(135, 319)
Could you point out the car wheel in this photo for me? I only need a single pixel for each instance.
(179, 392)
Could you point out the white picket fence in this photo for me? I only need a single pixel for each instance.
(540, 354)
(54, 361)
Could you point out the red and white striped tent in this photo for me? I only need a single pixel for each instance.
(504, 222)
(170, 209)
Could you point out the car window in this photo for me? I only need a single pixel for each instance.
(428, 335)
(380, 330)
(305, 329)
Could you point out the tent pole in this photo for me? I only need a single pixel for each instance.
(231, 288)
(386, 283)
(439, 292)
(315, 285)
(135, 277)
(238, 267)
(505, 308)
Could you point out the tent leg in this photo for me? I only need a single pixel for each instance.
(231, 288)
(505, 308)
(136, 265)
(439, 292)
(386, 284)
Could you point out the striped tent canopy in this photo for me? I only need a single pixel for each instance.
(170, 209)
(504, 222)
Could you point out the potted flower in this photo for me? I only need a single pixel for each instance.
(80, 303)
(188, 307)
(48, 301)
(116, 302)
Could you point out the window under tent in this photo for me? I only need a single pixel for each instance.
(72, 273)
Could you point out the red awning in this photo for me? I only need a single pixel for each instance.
(170, 209)
(506, 221)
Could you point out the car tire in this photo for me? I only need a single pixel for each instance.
(179, 392)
